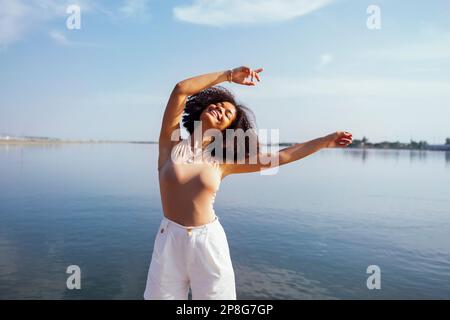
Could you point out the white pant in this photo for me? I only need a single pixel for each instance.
(198, 257)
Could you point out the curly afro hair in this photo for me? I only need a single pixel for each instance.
(244, 120)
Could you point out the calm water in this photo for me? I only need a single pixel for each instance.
(308, 232)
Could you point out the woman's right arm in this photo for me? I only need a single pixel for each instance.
(183, 89)
(177, 101)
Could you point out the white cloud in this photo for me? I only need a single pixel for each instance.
(232, 12)
(13, 23)
(20, 17)
(135, 8)
(53, 8)
(325, 59)
(60, 38)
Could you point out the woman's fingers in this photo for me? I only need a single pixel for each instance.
(340, 139)
(248, 76)
(347, 134)
(246, 72)
(344, 141)
(256, 76)
(253, 77)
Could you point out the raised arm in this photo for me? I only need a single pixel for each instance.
(339, 139)
(177, 100)
(183, 89)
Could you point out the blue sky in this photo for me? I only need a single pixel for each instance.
(324, 69)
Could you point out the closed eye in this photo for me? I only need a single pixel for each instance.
(228, 113)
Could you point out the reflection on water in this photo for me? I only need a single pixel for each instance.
(308, 232)
(414, 155)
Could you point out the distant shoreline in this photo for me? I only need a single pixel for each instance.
(13, 142)
(45, 142)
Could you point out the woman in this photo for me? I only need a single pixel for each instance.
(191, 248)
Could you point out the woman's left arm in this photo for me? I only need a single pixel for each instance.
(338, 139)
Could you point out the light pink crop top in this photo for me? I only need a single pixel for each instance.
(189, 181)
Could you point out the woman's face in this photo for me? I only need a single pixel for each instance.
(218, 116)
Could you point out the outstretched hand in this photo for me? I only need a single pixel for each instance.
(338, 139)
(240, 75)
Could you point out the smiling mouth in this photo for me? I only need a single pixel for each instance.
(215, 114)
